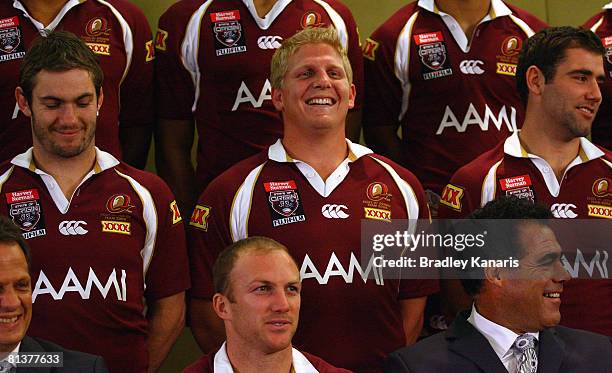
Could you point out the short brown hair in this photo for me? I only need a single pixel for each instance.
(10, 233)
(227, 259)
(310, 35)
(59, 51)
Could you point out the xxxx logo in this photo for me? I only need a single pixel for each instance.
(199, 217)
(116, 227)
(99, 48)
(451, 196)
(377, 214)
(600, 211)
(506, 69)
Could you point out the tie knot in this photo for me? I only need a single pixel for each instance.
(524, 341)
(6, 367)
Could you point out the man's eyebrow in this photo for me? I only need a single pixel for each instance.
(53, 98)
(581, 71)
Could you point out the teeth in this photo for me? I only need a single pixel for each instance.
(9, 320)
(320, 101)
(552, 295)
(586, 109)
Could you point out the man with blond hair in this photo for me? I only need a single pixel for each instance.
(311, 178)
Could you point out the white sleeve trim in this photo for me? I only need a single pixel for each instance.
(402, 62)
(338, 22)
(241, 206)
(128, 37)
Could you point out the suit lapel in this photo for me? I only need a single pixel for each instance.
(466, 341)
(29, 344)
(550, 351)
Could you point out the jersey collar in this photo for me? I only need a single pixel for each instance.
(277, 152)
(44, 31)
(300, 362)
(498, 8)
(104, 161)
(607, 6)
(264, 23)
(588, 151)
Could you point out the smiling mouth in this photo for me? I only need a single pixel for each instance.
(554, 295)
(321, 101)
(8, 320)
(586, 109)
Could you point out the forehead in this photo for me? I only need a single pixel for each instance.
(271, 266)
(12, 260)
(537, 240)
(580, 58)
(63, 83)
(315, 53)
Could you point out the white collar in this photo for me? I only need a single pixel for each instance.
(498, 8)
(104, 161)
(264, 23)
(15, 351)
(277, 153)
(588, 151)
(500, 338)
(300, 362)
(607, 6)
(44, 31)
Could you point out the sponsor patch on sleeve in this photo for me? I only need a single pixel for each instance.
(199, 217)
(451, 196)
(160, 39)
(150, 51)
(515, 182)
(429, 37)
(369, 49)
(176, 213)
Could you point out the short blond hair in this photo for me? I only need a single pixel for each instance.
(310, 35)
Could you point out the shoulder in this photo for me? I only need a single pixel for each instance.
(404, 173)
(339, 7)
(229, 181)
(534, 22)
(127, 9)
(391, 28)
(428, 355)
(203, 365)
(476, 170)
(72, 360)
(180, 10)
(583, 342)
(594, 19)
(139, 178)
(321, 365)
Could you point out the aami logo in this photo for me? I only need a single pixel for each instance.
(563, 210)
(120, 227)
(334, 211)
(472, 117)
(599, 261)
(451, 196)
(244, 95)
(72, 284)
(335, 268)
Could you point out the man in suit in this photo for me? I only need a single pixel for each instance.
(16, 313)
(512, 324)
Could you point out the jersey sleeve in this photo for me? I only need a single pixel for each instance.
(461, 196)
(137, 97)
(174, 82)
(383, 89)
(168, 272)
(208, 234)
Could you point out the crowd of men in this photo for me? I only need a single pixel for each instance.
(95, 255)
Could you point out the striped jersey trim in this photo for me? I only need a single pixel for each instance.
(241, 205)
(402, 62)
(488, 184)
(523, 25)
(338, 22)
(128, 37)
(5, 176)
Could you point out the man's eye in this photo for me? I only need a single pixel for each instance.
(307, 73)
(84, 104)
(293, 289)
(23, 285)
(263, 288)
(52, 106)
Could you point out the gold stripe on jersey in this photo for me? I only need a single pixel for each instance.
(402, 62)
(489, 186)
(5, 176)
(241, 205)
(605, 161)
(583, 156)
(149, 214)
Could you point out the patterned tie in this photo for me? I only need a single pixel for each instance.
(525, 352)
(6, 367)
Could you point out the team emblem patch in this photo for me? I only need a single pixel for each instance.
(602, 187)
(228, 32)
(11, 39)
(284, 200)
(199, 217)
(508, 59)
(119, 203)
(369, 49)
(511, 46)
(518, 186)
(377, 204)
(432, 51)
(311, 19)
(378, 191)
(25, 210)
(97, 27)
(451, 196)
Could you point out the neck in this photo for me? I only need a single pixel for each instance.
(468, 13)
(263, 6)
(323, 153)
(545, 140)
(68, 172)
(245, 359)
(44, 11)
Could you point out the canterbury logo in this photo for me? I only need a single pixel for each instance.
(563, 210)
(269, 42)
(72, 228)
(334, 211)
(471, 67)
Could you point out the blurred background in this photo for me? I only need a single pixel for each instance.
(369, 15)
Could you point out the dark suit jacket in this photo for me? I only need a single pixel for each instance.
(462, 349)
(74, 362)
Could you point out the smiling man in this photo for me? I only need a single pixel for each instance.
(118, 290)
(258, 288)
(512, 324)
(305, 183)
(551, 161)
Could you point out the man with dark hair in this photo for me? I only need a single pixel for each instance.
(118, 289)
(257, 295)
(512, 324)
(119, 34)
(550, 161)
(16, 312)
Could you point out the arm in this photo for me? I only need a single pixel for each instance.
(173, 142)
(166, 320)
(412, 315)
(135, 143)
(206, 327)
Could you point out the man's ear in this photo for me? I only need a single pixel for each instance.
(100, 99)
(535, 80)
(352, 94)
(493, 276)
(221, 306)
(22, 102)
(277, 99)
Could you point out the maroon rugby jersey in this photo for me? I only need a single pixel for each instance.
(453, 100)
(601, 24)
(98, 258)
(302, 363)
(214, 65)
(346, 318)
(584, 193)
(117, 31)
